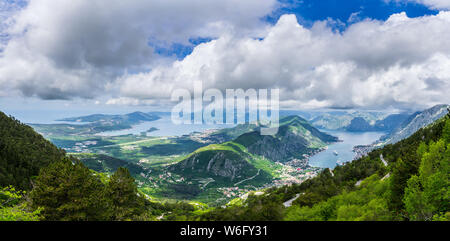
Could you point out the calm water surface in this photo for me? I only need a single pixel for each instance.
(165, 128)
(327, 158)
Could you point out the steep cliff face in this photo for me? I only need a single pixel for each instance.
(227, 164)
(295, 138)
(280, 149)
(216, 163)
(252, 153)
(415, 122)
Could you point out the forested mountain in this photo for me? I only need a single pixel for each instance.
(358, 124)
(295, 138)
(23, 152)
(38, 182)
(408, 180)
(242, 158)
(107, 164)
(226, 163)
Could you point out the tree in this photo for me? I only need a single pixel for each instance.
(23, 152)
(126, 202)
(70, 191)
(426, 195)
(14, 208)
(446, 131)
(401, 173)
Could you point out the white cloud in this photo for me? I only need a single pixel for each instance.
(63, 49)
(87, 49)
(433, 4)
(401, 62)
(7, 9)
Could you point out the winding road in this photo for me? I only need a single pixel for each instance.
(384, 161)
(250, 178)
(358, 183)
(289, 202)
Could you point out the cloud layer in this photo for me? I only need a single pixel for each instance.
(402, 62)
(87, 49)
(61, 49)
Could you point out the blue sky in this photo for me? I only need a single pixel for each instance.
(307, 12)
(310, 11)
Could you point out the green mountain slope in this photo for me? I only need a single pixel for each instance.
(23, 153)
(64, 188)
(250, 160)
(408, 180)
(295, 138)
(229, 134)
(107, 164)
(228, 163)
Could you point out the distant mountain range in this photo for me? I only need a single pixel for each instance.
(359, 121)
(398, 126)
(343, 120)
(93, 124)
(131, 118)
(415, 122)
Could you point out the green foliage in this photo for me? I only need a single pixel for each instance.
(418, 166)
(179, 146)
(407, 155)
(256, 208)
(427, 195)
(23, 152)
(126, 201)
(14, 208)
(65, 189)
(416, 190)
(70, 191)
(107, 164)
(365, 204)
(446, 131)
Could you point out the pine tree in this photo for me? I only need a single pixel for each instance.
(124, 195)
(70, 191)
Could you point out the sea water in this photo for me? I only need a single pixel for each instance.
(344, 149)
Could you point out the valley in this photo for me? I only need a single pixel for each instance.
(219, 173)
(246, 161)
(234, 111)
(212, 166)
